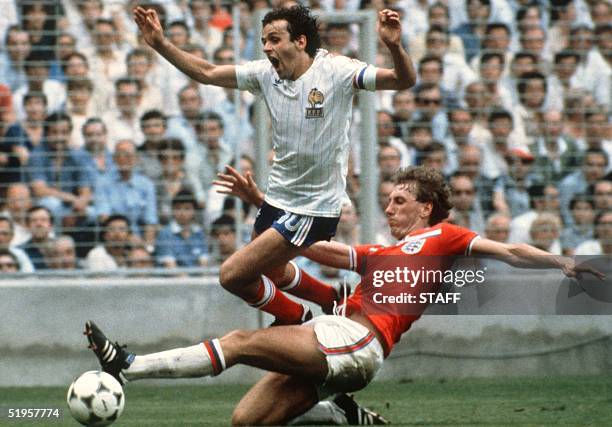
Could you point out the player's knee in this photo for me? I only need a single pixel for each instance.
(242, 417)
(229, 276)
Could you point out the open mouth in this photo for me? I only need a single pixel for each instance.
(274, 61)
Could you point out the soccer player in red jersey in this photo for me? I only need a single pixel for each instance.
(331, 353)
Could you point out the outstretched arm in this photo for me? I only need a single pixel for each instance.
(527, 256)
(196, 68)
(403, 75)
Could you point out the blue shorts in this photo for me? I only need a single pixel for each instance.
(299, 230)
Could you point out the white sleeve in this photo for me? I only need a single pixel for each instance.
(249, 76)
(355, 74)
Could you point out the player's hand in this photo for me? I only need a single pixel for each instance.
(149, 25)
(571, 269)
(389, 27)
(242, 186)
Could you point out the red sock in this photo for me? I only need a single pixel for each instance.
(307, 287)
(273, 301)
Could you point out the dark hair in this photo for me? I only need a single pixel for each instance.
(431, 58)
(38, 208)
(487, 56)
(184, 196)
(92, 121)
(596, 152)
(8, 253)
(55, 118)
(38, 58)
(170, 144)
(524, 54)
(533, 75)
(299, 23)
(209, 115)
(450, 112)
(153, 114)
(556, 7)
(106, 21)
(580, 198)
(34, 95)
(522, 12)
(9, 220)
(139, 51)
(437, 29)
(128, 81)
(431, 188)
(113, 218)
(498, 114)
(566, 53)
(223, 221)
(73, 54)
(496, 26)
(437, 5)
(15, 28)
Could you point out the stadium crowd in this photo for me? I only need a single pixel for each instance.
(108, 153)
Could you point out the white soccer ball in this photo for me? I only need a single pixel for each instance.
(95, 399)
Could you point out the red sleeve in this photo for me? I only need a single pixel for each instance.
(458, 240)
(359, 254)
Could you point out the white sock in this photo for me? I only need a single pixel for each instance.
(324, 412)
(196, 361)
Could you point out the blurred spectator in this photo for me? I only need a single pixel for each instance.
(37, 72)
(490, 71)
(430, 111)
(430, 71)
(123, 120)
(66, 46)
(39, 19)
(576, 103)
(503, 138)
(153, 125)
(462, 131)
(522, 63)
(18, 201)
(80, 106)
(9, 262)
(556, 154)
(7, 232)
(389, 160)
(59, 175)
(183, 127)
(7, 115)
(466, 211)
(594, 165)
(470, 164)
(182, 243)
(12, 61)
(85, 24)
(419, 141)
(403, 108)
(113, 252)
(40, 224)
(62, 254)
(173, 179)
(106, 60)
(338, 39)
(601, 12)
(602, 244)
(581, 230)
(532, 93)
(139, 257)
(203, 32)
(533, 41)
(601, 194)
(593, 72)
(125, 191)
(562, 16)
(542, 198)
(456, 74)
(223, 234)
(99, 157)
(561, 80)
(139, 66)
(385, 131)
(599, 132)
(434, 156)
(496, 40)
(437, 15)
(472, 32)
(477, 102)
(498, 227)
(178, 33)
(603, 38)
(511, 191)
(545, 231)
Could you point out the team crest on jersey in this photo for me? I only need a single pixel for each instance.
(413, 247)
(315, 99)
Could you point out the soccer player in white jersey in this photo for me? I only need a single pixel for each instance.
(309, 94)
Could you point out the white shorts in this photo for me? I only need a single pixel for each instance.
(353, 354)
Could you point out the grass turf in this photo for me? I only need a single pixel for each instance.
(497, 402)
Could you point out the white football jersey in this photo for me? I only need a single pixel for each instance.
(310, 125)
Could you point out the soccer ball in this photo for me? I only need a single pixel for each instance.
(95, 399)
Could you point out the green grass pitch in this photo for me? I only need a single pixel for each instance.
(578, 401)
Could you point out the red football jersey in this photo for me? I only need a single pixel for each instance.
(436, 244)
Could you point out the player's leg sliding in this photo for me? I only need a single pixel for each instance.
(271, 300)
(342, 410)
(304, 286)
(204, 359)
